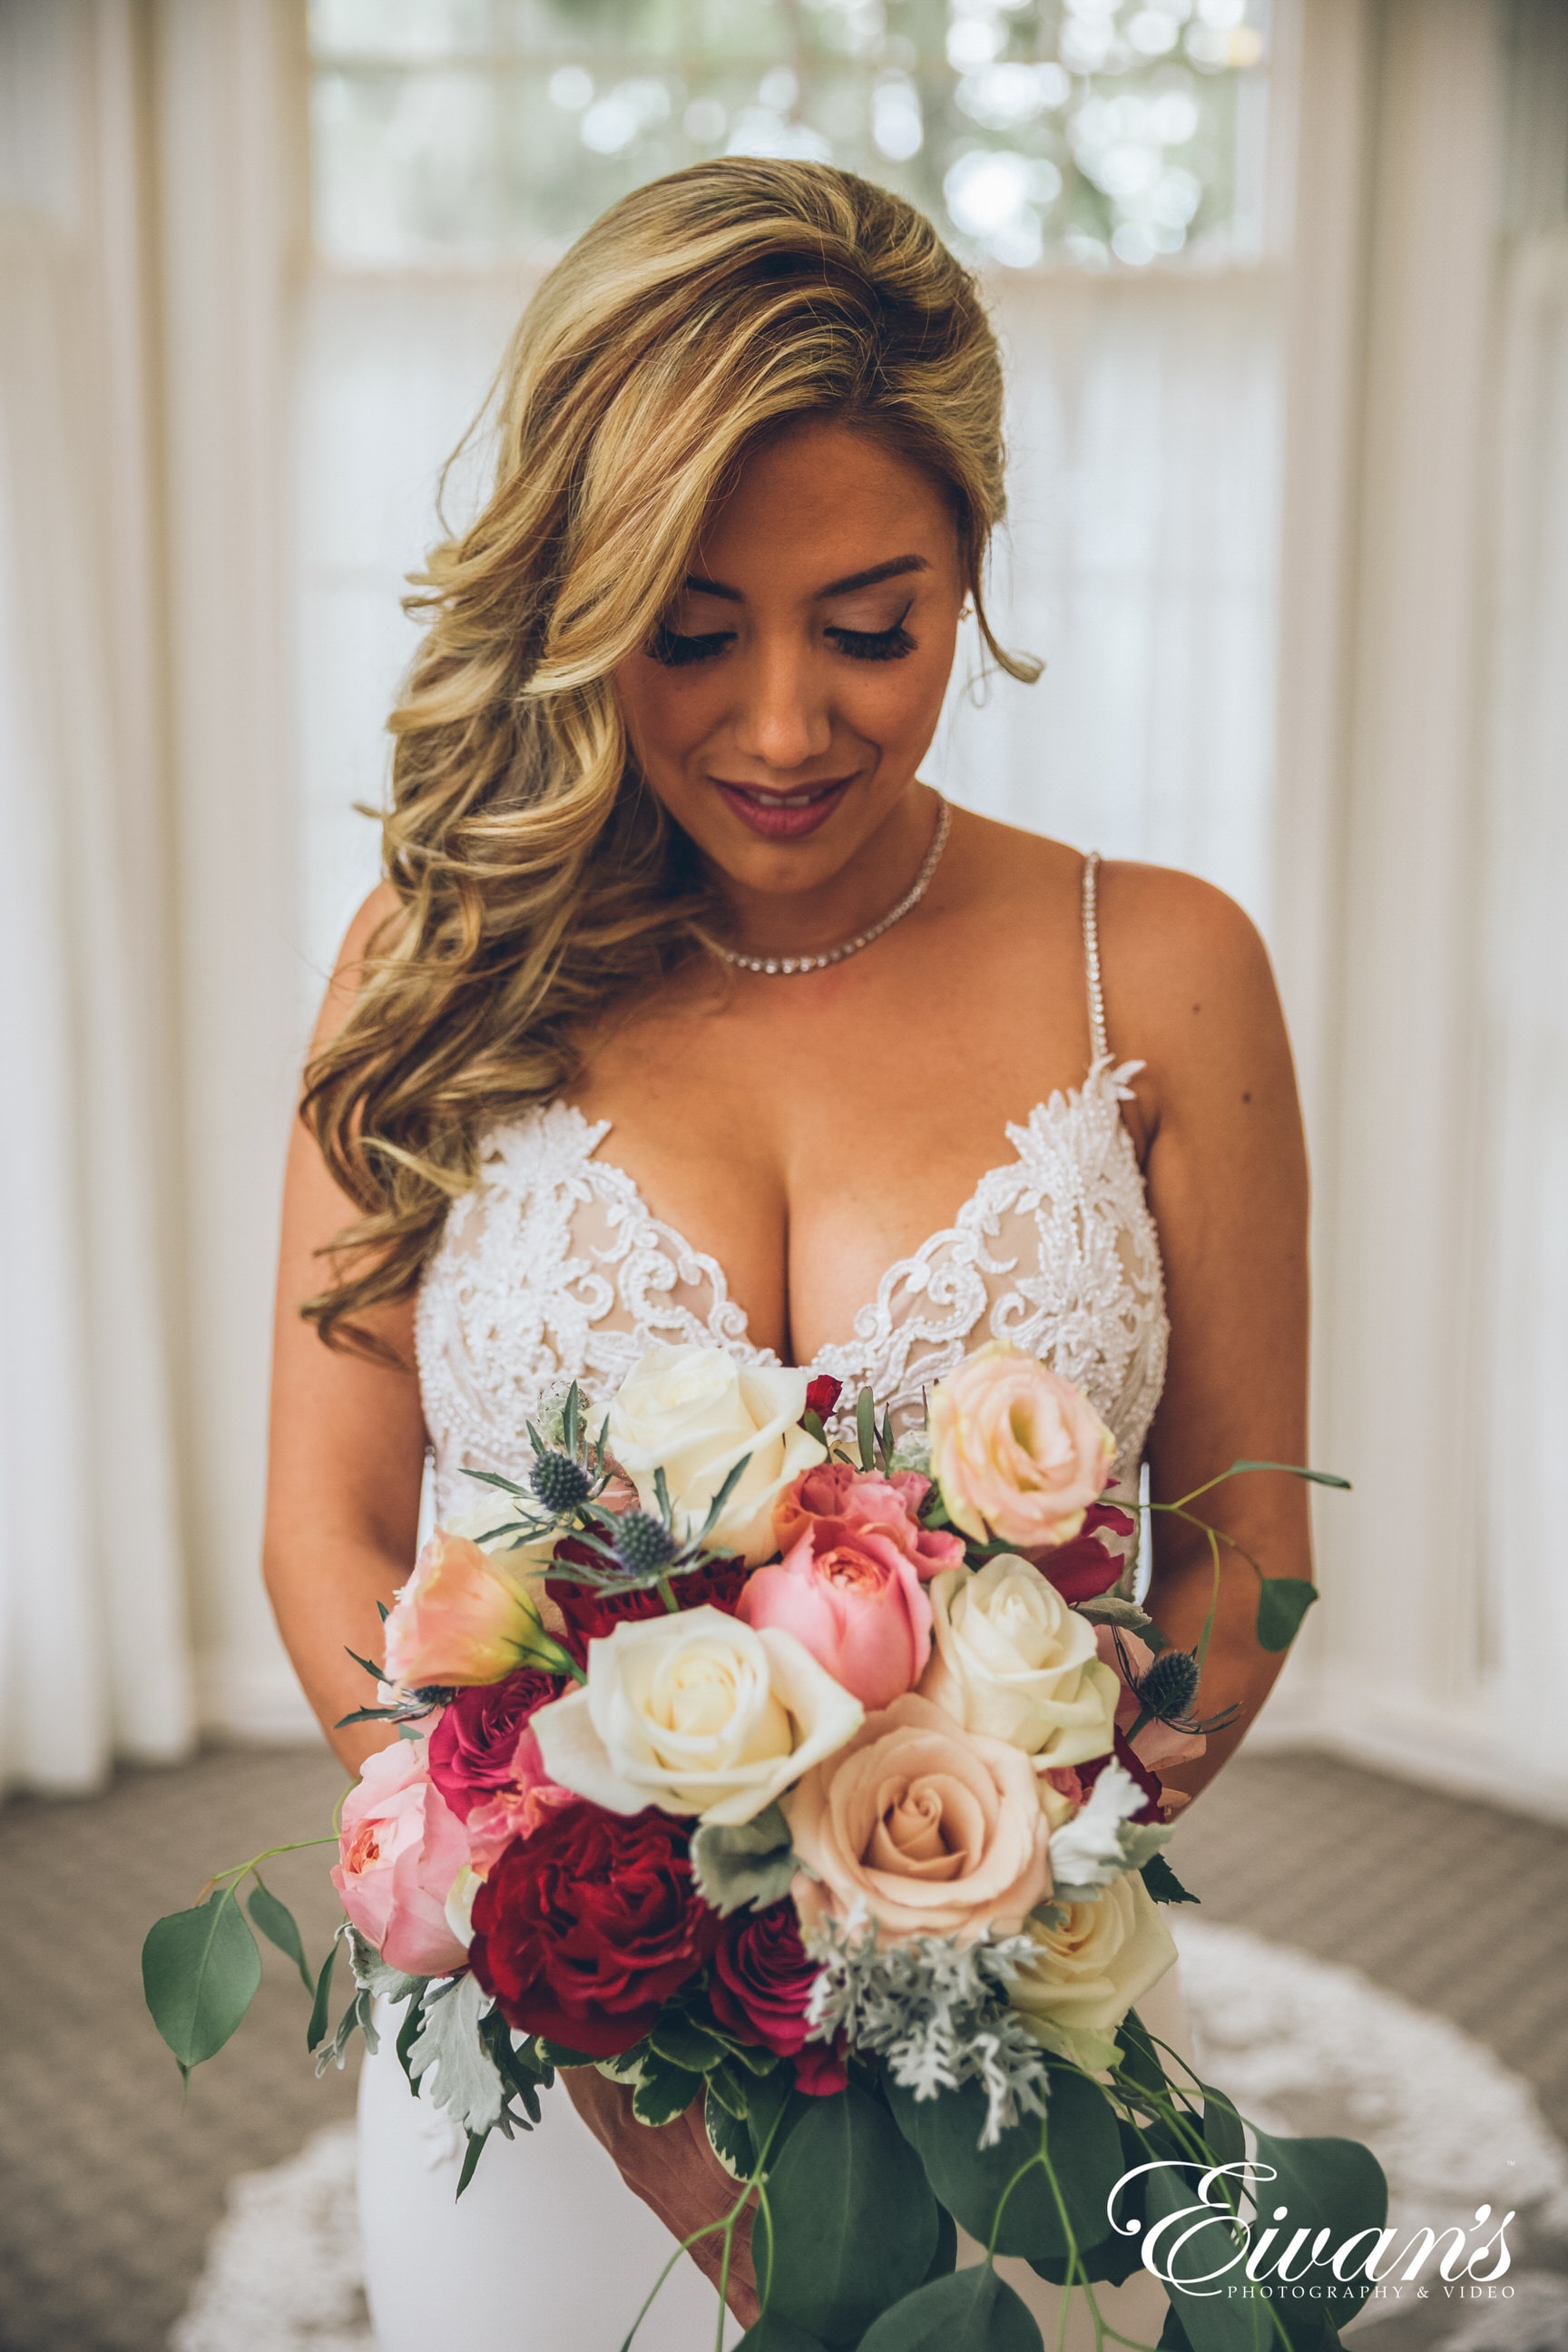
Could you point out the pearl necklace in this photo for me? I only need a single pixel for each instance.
(911, 899)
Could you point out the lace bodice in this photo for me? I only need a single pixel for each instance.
(553, 1268)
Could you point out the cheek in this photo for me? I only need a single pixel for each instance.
(667, 713)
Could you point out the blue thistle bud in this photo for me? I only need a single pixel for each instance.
(559, 1483)
(643, 1544)
(1170, 1686)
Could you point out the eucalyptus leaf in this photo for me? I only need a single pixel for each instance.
(200, 1969)
(866, 1428)
(1079, 2129)
(772, 2334)
(450, 2063)
(748, 1862)
(945, 2258)
(1282, 1603)
(849, 2224)
(972, 2311)
(1317, 1477)
(316, 2031)
(278, 1924)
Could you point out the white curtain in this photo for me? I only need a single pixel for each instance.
(1523, 1090)
(93, 1657)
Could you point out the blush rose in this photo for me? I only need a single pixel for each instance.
(843, 1496)
(400, 1849)
(853, 1599)
(1019, 1453)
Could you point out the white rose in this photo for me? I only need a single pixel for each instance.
(1089, 1970)
(1012, 1659)
(695, 1713)
(694, 1413)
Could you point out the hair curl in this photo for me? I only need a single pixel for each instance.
(537, 877)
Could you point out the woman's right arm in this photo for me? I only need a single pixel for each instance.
(347, 1449)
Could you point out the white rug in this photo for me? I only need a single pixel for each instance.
(1300, 2044)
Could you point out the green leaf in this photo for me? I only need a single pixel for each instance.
(866, 1428)
(1140, 2059)
(664, 2092)
(1163, 1882)
(471, 2156)
(849, 2225)
(1317, 1477)
(748, 1862)
(728, 2136)
(199, 1973)
(1222, 2129)
(731, 1481)
(1282, 1603)
(973, 2311)
(1110, 1609)
(1119, 2255)
(773, 2107)
(555, 2053)
(812, 1424)
(772, 2334)
(277, 1923)
(970, 2181)
(681, 2040)
(729, 2087)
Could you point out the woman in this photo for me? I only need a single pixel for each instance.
(687, 1011)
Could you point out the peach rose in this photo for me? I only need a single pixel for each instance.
(865, 1499)
(852, 1597)
(932, 1829)
(400, 1852)
(461, 1618)
(1090, 1968)
(1019, 1453)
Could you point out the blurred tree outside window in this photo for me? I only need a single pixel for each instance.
(1087, 132)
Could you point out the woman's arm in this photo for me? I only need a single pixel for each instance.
(1188, 984)
(347, 1448)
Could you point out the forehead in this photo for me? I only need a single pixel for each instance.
(824, 499)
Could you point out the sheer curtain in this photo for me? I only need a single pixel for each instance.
(92, 1638)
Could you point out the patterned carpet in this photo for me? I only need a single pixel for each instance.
(110, 2190)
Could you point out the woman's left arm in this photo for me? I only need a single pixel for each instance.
(1188, 983)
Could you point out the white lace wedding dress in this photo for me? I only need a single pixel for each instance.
(554, 1268)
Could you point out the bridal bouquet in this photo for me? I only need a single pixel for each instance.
(769, 1763)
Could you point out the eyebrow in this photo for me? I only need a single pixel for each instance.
(892, 570)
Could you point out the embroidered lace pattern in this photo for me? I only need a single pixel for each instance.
(554, 1269)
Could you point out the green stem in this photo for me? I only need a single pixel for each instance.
(242, 1870)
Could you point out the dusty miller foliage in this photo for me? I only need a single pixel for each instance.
(936, 2010)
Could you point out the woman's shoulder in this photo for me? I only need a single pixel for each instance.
(366, 933)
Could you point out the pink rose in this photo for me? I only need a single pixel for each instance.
(933, 1829)
(1019, 1453)
(864, 1499)
(853, 1599)
(400, 1848)
(459, 1619)
(1158, 1745)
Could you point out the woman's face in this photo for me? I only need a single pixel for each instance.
(784, 703)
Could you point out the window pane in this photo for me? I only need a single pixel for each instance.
(1095, 132)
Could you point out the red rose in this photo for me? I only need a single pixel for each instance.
(591, 1613)
(581, 1930)
(822, 1394)
(1085, 1567)
(473, 1748)
(759, 1988)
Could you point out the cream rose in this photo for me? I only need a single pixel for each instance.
(1018, 1452)
(1013, 1660)
(1091, 1970)
(695, 1714)
(694, 1413)
(932, 1829)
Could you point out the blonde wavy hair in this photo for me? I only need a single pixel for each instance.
(537, 877)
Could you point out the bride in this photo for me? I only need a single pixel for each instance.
(688, 1012)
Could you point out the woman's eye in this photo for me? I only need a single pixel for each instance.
(667, 645)
(874, 645)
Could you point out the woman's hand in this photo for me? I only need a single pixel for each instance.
(672, 2167)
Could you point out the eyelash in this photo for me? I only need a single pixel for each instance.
(675, 652)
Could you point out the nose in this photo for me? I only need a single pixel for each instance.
(783, 718)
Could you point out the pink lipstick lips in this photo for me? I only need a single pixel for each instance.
(782, 816)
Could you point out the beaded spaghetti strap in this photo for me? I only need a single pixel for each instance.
(1100, 1043)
